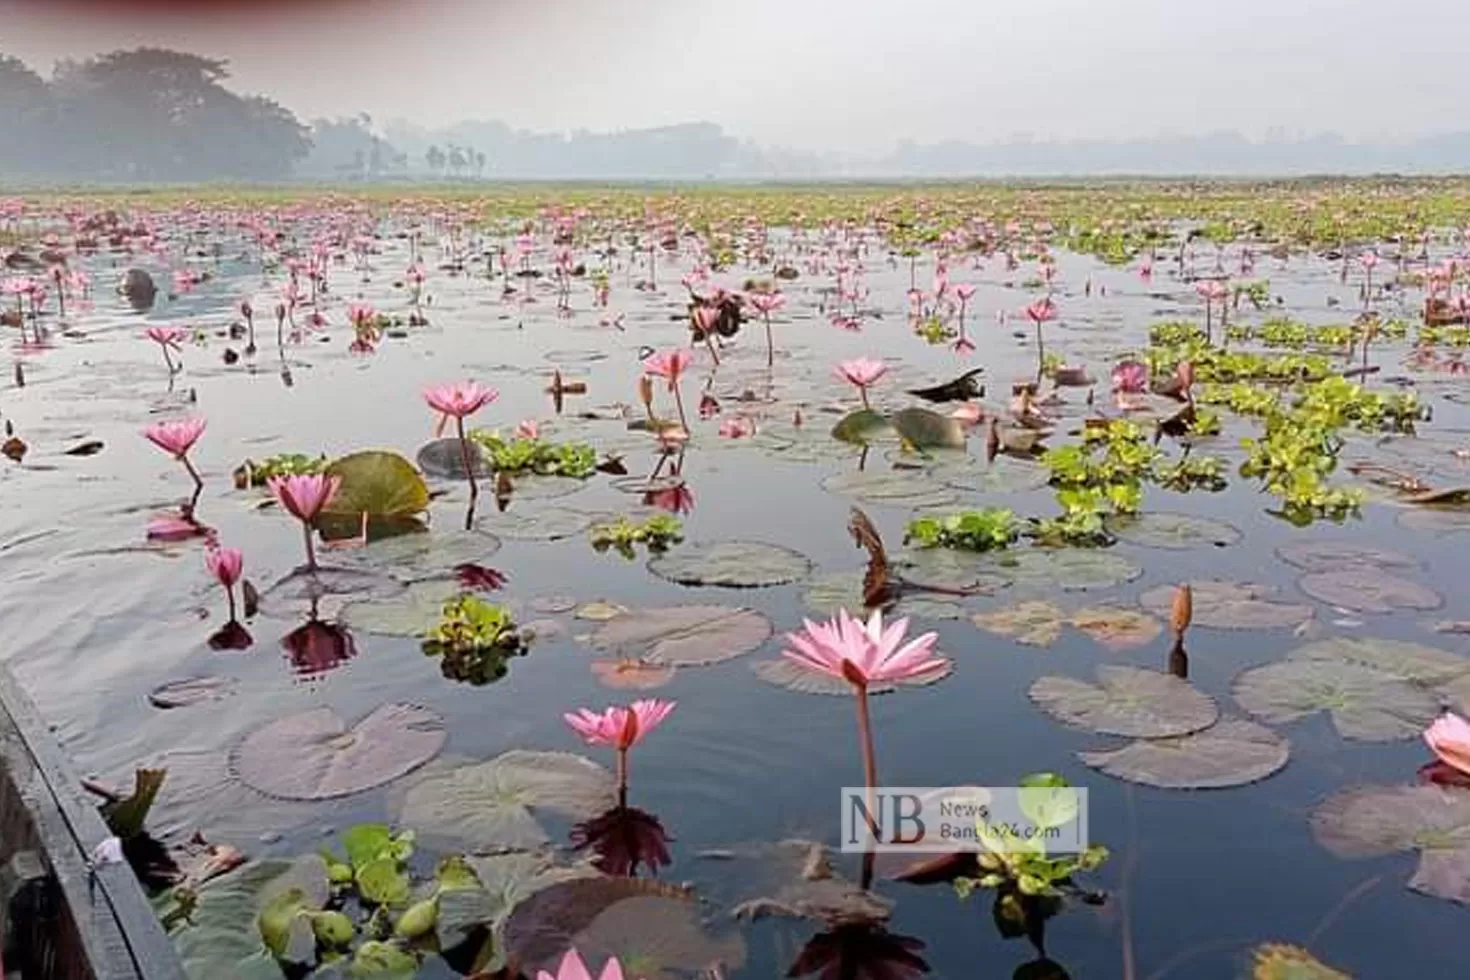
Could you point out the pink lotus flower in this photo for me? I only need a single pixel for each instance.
(528, 429)
(1369, 259)
(766, 303)
(964, 291)
(360, 314)
(572, 968)
(1042, 310)
(225, 564)
(668, 364)
(1210, 290)
(619, 727)
(1130, 377)
(861, 372)
(1449, 739)
(459, 400)
(737, 427)
(862, 653)
(175, 438)
(304, 495)
(166, 336)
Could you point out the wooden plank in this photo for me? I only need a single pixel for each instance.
(118, 937)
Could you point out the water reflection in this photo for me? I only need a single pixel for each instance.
(623, 839)
(860, 952)
(316, 647)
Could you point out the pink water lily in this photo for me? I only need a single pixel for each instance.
(862, 372)
(765, 304)
(1449, 739)
(1041, 311)
(528, 429)
(737, 427)
(459, 400)
(670, 364)
(572, 968)
(1130, 377)
(305, 496)
(620, 728)
(226, 565)
(176, 439)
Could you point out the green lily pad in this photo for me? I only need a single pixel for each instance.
(430, 554)
(412, 612)
(1325, 556)
(1174, 532)
(683, 636)
(1369, 590)
(223, 939)
(1372, 821)
(1279, 961)
(1231, 753)
(1364, 704)
(313, 755)
(924, 429)
(492, 806)
(900, 488)
(793, 879)
(1070, 569)
(660, 937)
(1034, 623)
(444, 459)
(861, 426)
(1003, 474)
(1413, 662)
(732, 564)
(1127, 701)
(1230, 606)
(502, 882)
(794, 677)
(538, 524)
(383, 485)
(1116, 627)
(844, 590)
(952, 568)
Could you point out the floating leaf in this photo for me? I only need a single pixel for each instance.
(382, 882)
(314, 756)
(1364, 703)
(1370, 590)
(223, 940)
(1127, 701)
(429, 554)
(543, 927)
(1397, 658)
(1230, 605)
(383, 485)
(794, 677)
(1071, 569)
(795, 879)
(1003, 474)
(898, 488)
(861, 426)
(599, 611)
(733, 564)
(1371, 821)
(412, 612)
(444, 458)
(1326, 556)
(192, 690)
(1035, 623)
(1278, 961)
(492, 806)
(1231, 753)
(1116, 627)
(952, 568)
(663, 937)
(923, 429)
(632, 675)
(684, 636)
(1174, 532)
(1436, 520)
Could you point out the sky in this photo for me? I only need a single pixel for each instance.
(850, 76)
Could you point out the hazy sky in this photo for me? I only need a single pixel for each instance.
(851, 75)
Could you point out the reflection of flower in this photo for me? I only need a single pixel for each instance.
(622, 839)
(479, 577)
(860, 952)
(675, 500)
(231, 636)
(316, 647)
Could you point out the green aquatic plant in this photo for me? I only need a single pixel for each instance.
(1082, 522)
(989, 529)
(518, 455)
(1337, 402)
(657, 533)
(1191, 473)
(252, 474)
(469, 624)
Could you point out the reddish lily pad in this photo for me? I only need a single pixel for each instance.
(1230, 605)
(1231, 753)
(315, 756)
(732, 564)
(1035, 623)
(1127, 701)
(1116, 627)
(1371, 821)
(684, 636)
(1369, 590)
(632, 674)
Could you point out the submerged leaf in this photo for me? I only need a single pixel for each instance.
(412, 612)
(1231, 753)
(1126, 701)
(1325, 556)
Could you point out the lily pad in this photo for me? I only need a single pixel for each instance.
(1436, 520)
(1278, 961)
(1364, 704)
(1003, 474)
(1370, 590)
(1127, 701)
(844, 590)
(1116, 627)
(632, 674)
(1371, 821)
(861, 426)
(1232, 753)
(794, 879)
(1325, 556)
(492, 806)
(502, 882)
(444, 459)
(1397, 658)
(662, 937)
(425, 555)
(1230, 605)
(1071, 569)
(1174, 532)
(732, 564)
(952, 568)
(192, 690)
(413, 612)
(223, 940)
(684, 636)
(315, 756)
(1034, 623)
(924, 429)
(792, 676)
(538, 524)
(894, 488)
(383, 485)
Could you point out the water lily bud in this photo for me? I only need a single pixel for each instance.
(645, 391)
(418, 920)
(1182, 612)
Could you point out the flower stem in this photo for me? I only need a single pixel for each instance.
(310, 547)
(230, 595)
(194, 474)
(679, 401)
(863, 391)
(622, 777)
(770, 344)
(870, 761)
(469, 467)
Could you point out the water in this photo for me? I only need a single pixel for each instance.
(96, 617)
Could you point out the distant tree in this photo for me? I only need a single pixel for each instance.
(457, 160)
(480, 162)
(27, 117)
(435, 159)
